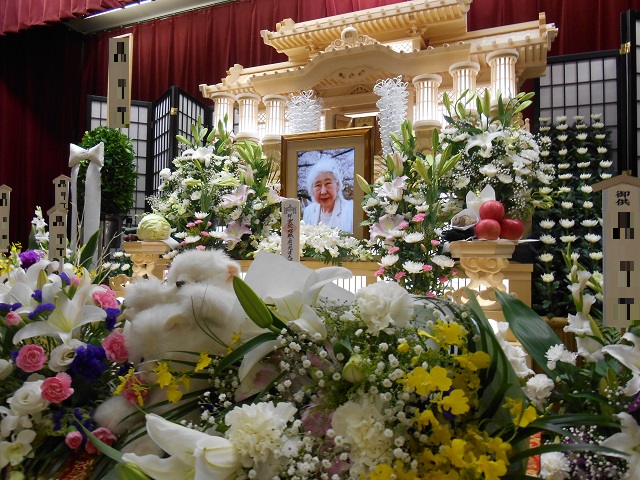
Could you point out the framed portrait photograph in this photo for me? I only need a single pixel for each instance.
(319, 169)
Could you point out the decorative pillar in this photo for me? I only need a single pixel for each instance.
(503, 73)
(464, 78)
(248, 113)
(223, 106)
(426, 112)
(276, 108)
(5, 210)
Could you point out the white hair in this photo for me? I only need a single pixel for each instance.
(324, 165)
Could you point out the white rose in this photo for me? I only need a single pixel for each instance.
(28, 399)
(62, 356)
(6, 367)
(383, 304)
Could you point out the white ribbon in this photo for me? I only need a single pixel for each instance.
(92, 191)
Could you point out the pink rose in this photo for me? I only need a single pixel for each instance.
(12, 319)
(31, 358)
(105, 298)
(57, 389)
(104, 435)
(73, 440)
(115, 348)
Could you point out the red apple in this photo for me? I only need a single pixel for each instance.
(488, 229)
(492, 209)
(511, 229)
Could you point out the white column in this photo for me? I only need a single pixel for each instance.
(248, 116)
(223, 106)
(426, 112)
(276, 107)
(503, 73)
(464, 78)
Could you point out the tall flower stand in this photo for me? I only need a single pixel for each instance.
(147, 258)
(486, 264)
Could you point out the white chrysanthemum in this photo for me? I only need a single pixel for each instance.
(384, 304)
(561, 118)
(489, 170)
(600, 136)
(597, 256)
(605, 176)
(564, 166)
(562, 152)
(592, 237)
(562, 127)
(586, 189)
(412, 267)
(588, 204)
(505, 178)
(443, 261)
(589, 223)
(606, 163)
(414, 237)
(258, 430)
(545, 190)
(547, 239)
(388, 260)
(562, 138)
(547, 224)
(565, 176)
(568, 238)
(546, 257)
(583, 164)
(192, 239)
(585, 176)
(581, 136)
(201, 215)
(602, 150)
(567, 223)
(566, 205)
(461, 182)
(547, 277)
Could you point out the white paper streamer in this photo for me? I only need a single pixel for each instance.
(92, 191)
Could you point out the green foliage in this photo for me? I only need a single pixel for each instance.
(119, 173)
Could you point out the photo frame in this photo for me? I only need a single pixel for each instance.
(352, 151)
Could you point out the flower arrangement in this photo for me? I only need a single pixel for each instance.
(406, 215)
(221, 194)
(580, 153)
(599, 379)
(384, 385)
(323, 243)
(57, 337)
(494, 150)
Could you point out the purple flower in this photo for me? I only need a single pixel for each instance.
(37, 295)
(45, 307)
(89, 363)
(29, 257)
(65, 278)
(635, 405)
(112, 318)
(8, 307)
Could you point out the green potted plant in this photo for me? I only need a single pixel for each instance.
(118, 179)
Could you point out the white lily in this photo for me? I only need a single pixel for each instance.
(629, 356)
(68, 315)
(484, 141)
(194, 455)
(297, 308)
(628, 443)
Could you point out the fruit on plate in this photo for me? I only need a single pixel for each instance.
(492, 209)
(488, 229)
(511, 229)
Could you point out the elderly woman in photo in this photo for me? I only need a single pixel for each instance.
(328, 206)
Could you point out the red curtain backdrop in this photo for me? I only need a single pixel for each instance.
(17, 15)
(47, 72)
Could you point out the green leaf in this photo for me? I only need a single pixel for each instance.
(110, 452)
(242, 350)
(531, 331)
(88, 249)
(252, 304)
